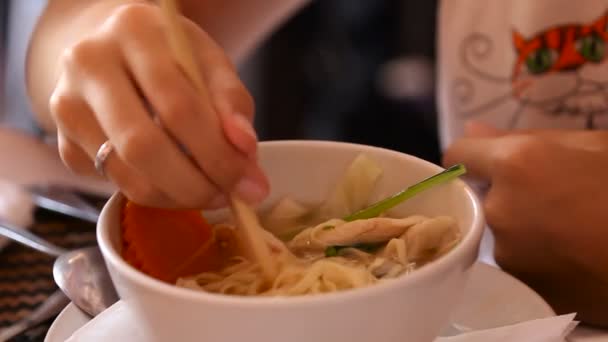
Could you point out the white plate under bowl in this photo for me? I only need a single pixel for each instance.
(492, 299)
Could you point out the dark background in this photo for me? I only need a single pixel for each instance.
(319, 76)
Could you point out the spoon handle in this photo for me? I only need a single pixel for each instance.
(65, 201)
(30, 240)
(50, 308)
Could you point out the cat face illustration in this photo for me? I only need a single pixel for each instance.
(564, 69)
(559, 72)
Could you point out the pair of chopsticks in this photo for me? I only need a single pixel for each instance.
(246, 217)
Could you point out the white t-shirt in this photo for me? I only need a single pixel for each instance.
(523, 64)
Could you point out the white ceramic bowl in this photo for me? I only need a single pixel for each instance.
(414, 307)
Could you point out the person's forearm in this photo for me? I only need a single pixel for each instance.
(237, 25)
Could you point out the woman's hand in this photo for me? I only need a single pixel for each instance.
(122, 84)
(547, 206)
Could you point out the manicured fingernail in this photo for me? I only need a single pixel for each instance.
(253, 187)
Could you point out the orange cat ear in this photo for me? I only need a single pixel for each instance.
(518, 41)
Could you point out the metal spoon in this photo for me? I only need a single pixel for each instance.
(63, 200)
(81, 274)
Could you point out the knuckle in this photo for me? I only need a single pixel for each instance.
(73, 157)
(135, 147)
(62, 106)
(517, 156)
(64, 110)
(82, 56)
(509, 158)
(228, 168)
(176, 110)
(130, 16)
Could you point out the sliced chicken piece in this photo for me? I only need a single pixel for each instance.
(431, 237)
(340, 233)
(395, 250)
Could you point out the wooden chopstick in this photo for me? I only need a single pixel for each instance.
(246, 217)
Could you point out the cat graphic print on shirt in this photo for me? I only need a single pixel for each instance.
(523, 64)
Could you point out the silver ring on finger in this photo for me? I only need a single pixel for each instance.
(100, 158)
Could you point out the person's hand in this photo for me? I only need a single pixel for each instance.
(122, 84)
(548, 208)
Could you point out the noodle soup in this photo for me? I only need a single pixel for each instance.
(317, 249)
(338, 279)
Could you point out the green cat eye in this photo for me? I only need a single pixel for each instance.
(592, 47)
(541, 60)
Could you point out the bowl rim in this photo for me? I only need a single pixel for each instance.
(443, 264)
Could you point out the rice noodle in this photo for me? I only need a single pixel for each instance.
(306, 274)
(363, 252)
(295, 277)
